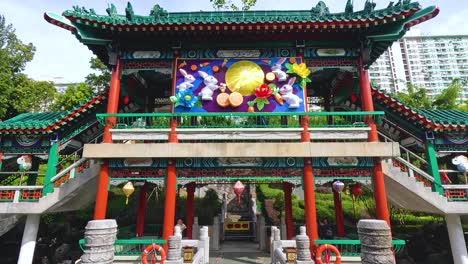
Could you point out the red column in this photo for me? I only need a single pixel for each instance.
(113, 102)
(380, 195)
(287, 188)
(339, 217)
(170, 200)
(309, 190)
(103, 180)
(140, 222)
(171, 187)
(309, 202)
(189, 208)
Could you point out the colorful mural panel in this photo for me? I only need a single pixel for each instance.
(240, 85)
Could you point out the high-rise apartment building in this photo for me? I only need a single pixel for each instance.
(432, 62)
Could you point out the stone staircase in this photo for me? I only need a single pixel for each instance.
(74, 194)
(410, 193)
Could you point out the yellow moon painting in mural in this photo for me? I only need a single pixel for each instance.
(244, 76)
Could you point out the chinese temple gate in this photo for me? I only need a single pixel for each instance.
(284, 97)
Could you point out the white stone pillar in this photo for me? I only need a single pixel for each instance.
(195, 228)
(204, 243)
(100, 236)
(457, 240)
(283, 227)
(28, 244)
(261, 233)
(275, 242)
(215, 234)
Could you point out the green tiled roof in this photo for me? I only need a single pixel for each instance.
(446, 117)
(159, 16)
(427, 119)
(42, 123)
(32, 120)
(378, 27)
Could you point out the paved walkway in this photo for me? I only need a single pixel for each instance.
(239, 252)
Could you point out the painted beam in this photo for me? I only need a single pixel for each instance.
(184, 150)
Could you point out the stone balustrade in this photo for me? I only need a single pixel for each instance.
(290, 251)
(176, 247)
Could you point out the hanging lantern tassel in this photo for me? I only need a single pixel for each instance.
(238, 190)
(128, 189)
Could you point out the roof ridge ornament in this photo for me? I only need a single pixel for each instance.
(369, 6)
(157, 12)
(320, 10)
(129, 12)
(112, 10)
(349, 9)
(83, 10)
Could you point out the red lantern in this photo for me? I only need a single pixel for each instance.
(238, 190)
(356, 190)
(126, 100)
(353, 98)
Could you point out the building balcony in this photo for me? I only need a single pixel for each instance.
(333, 134)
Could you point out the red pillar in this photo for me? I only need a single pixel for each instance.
(103, 180)
(113, 102)
(380, 195)
(140, 222)
(171, 187)
(170, 200)
(339, 217)
(309, 190)
(287, 188)
(189, 208)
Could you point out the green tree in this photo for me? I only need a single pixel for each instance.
(100, 80)
(73, 96)
(463, 107)
(416, 97)
(230, 5)
(448, 99)
(14, 55)
(279, 203)
(32, 96)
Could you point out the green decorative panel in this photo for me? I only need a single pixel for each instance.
(342, 162)
(137, 163)
(147, 54)
(329, 52)
(240, 163)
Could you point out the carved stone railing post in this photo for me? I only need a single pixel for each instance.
(195, 228)
(215, 230)
(376, 242)
(204, 243)
(261, 233)
(275, 242)
(283, 227)
(100, 236)
(174, 244)
(303, 247)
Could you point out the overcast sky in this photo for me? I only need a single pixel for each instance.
(61, 57)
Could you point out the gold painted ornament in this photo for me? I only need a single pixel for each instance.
(128, 190)
(243, 76)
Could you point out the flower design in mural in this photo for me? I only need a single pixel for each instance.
(262, 93)
(301, 71)
(184, 98)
